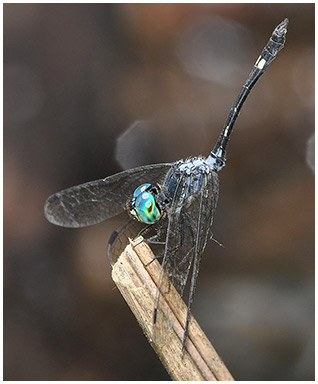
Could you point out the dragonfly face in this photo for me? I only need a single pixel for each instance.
(143, 205)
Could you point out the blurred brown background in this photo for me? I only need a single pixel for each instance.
(78, 79)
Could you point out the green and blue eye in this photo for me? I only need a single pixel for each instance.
(143, 205)
(140, 189)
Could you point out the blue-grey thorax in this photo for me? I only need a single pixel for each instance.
(186, 180)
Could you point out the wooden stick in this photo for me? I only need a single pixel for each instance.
(137, 281)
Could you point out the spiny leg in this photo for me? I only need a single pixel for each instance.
(152, 240)
(153, 259)
(142, 232)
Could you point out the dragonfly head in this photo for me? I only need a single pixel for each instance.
(143, 205)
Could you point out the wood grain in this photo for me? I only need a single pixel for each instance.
(137, 282)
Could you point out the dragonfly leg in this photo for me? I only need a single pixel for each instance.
(217, 242)
(142, 232)
(161, 254)
(152, 260)
(152, 239)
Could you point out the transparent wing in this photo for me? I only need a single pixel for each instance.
(188, 230)
(200, 222)
(96, 201)
(119, 239)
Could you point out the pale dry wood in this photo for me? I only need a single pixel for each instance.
(138, 284)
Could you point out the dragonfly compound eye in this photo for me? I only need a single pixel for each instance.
(140, 189)
(144, 207)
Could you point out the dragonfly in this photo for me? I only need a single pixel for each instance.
(177, 199)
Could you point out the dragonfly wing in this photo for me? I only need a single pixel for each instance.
(200, 219)
(96, 201)
(188, 230)
(171, 236)
(119, 239)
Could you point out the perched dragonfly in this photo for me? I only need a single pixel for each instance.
(177, 199)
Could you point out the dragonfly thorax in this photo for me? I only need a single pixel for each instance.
(143, 205)
(186, 179)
